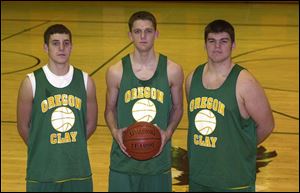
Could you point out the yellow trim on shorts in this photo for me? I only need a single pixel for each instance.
(166, 172)
(239, 188)
(61, 181)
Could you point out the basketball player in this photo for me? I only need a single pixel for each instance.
(57, 113)
(142, 82)
(229, 115)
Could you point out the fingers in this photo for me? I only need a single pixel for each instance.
(163, 142)
(120, 141)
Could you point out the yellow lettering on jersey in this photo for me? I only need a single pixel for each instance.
(140, 92)
(192, 105)
(203, 102)
(68, 137)
(53, 139)
(44, 106)
(144, 92)
(133, 93)
(160, 96)
(77, 103)
(207, 103)
(71, 100)
(64, 99)
(73, 135)
(221, 108)
(60, 100)
(51, 103)
(127, 96)
(57, 100)
(205, 141)
(147, 92)
(197, 103)
(153, 93)
(213, 141)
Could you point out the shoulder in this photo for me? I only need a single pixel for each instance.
(25, 90)
(189, 77)
(175, 72)
(115, 70)
(172, 64)
(174, 68)
(114, 74)
(246, 79)
(245, 82)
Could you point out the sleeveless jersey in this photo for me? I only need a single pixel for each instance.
(140, 100)
(221, 143)
(57, 146)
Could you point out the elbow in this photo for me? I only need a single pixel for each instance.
(179, 111)
(272, 125)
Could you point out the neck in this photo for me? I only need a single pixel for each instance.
(58, 69)
(144, 58)
(221, 68)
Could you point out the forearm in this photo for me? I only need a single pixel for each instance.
(90, 128)
(175, 117)
(91, 117)
(23, 131)
(263, 133)
(23, 121)
(110, 118)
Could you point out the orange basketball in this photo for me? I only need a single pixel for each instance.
(142, 140)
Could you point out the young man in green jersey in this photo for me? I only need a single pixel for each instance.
(151, 84)
(229, 115)
(56, 114)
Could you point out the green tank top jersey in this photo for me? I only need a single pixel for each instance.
(221, 144)
(57, 145)
(148, 101)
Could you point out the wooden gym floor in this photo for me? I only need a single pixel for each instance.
(267, 38)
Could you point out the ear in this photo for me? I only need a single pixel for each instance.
(130, 35)
(46, 48)
(156, 34)
(233, 45)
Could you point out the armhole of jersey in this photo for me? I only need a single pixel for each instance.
(32, 81)
(85, 78)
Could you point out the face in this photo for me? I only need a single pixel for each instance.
(143, 35)
(59, 48)
(219, 47)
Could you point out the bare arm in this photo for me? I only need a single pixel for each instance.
(188, 81)
(92, 108)
(113, 79)
(24, 108)
(254, 103)
(175, 77)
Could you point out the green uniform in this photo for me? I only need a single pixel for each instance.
(221, 144)
(155, 91)
(57, 144)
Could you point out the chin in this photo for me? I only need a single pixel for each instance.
(61, 62)
(143, 49)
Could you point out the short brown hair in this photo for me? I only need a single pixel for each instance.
(218, 26)
(141, 15)
(56, 29)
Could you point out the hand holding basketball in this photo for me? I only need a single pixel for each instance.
(117, 135)
(142, 140)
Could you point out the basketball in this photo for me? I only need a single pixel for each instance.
(144, 110)
(142, 140)
(205, 122)
(62, 119)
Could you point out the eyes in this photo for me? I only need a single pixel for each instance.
(146, 31)
(57, 43)
(223, 41)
